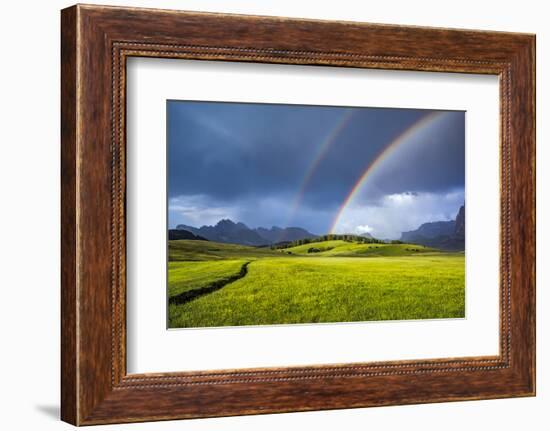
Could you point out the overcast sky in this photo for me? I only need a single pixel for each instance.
(293, 165)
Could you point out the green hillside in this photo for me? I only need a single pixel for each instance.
(214, 284)
(189, 250)
(338, 289)
(346, 248)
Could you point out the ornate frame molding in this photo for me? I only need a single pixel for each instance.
(96, 41)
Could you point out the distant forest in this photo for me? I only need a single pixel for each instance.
(333, 237)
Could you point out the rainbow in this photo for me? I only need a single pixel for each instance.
(322, 151)
(380, 157)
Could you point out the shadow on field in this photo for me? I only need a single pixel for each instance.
(190, 295)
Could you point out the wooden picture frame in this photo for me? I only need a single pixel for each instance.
(95, 43)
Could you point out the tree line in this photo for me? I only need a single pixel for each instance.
(331, 237)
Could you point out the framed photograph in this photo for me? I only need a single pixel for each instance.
(267, 215)
(368, 184)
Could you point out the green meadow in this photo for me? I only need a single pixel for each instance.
(212, 284)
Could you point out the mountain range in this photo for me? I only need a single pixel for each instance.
(238, 233)
(445, 235)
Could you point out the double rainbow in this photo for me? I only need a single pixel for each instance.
(377, 161)
(321, 153)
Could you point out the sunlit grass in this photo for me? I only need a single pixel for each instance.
(185, 276)
(344, 248)
(323, 287)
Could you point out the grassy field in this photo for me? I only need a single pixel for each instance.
(339, 281)
(351, 249)
(185, 276)
(186, 250)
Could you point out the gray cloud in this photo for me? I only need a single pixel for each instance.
(249, 160)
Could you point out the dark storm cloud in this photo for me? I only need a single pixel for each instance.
(251, 159)
(432, 160)
(233, 150)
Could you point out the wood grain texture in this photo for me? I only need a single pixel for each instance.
(96, 41)
(69, 366)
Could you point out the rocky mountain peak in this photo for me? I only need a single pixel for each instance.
(460, 223)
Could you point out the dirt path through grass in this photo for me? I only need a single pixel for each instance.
(190, 295)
